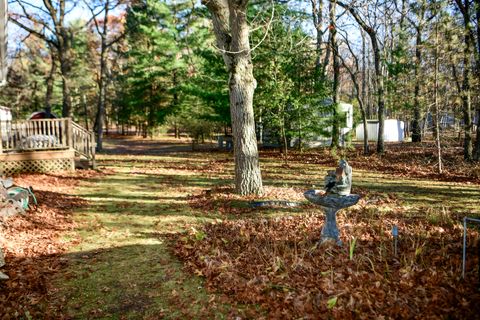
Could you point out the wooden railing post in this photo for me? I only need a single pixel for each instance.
(1, 135)
(70, 133)
(93, 146)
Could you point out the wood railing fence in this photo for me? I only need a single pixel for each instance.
(46, 134)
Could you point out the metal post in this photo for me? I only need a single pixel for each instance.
(464, 257)
(395, 239)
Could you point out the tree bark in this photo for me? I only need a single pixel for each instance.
(232, 35)
(336, 76)
(317, 15)
(50, 81)
(476, 154)
(65, 69)
(469, 41)
(102, 81)
(416, 129)
(436, 108)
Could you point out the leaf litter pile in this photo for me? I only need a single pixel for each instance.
(277, 264)
(34, 242)
(224, 201)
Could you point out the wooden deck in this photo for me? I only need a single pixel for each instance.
(44, 145)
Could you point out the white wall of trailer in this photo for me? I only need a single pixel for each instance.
(394, 130)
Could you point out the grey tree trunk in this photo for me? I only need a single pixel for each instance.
(65, 69)
(50, 82)
(102, 81)
(232, 35)
(437, 112)
(317, 15)
(336, 75)
(416, 129)
(469, 41)
(476, 154)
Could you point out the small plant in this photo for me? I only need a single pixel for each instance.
(199, 234)
(332, 302)
(353, 243)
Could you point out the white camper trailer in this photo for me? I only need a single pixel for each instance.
(345, 127)
(394, 130)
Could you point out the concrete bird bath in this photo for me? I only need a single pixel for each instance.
(335, 197)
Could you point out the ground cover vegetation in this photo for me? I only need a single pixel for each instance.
(160, 233)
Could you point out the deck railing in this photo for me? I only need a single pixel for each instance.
(83, 141)
(46, 134)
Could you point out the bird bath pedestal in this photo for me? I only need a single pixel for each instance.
(331, 204)
(336, 196)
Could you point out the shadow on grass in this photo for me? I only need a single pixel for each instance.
(132, 282)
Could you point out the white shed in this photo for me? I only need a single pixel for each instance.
(393, 130)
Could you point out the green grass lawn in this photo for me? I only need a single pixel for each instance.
(123, 267)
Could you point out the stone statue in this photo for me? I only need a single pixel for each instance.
(339, 181)
(336, 196)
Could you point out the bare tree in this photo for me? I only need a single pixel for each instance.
(97, 9)
(379, 85)
(354, 70)
(47, 22)
(231, 30)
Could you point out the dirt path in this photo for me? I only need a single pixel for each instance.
(145, 147)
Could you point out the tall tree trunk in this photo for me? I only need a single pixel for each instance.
(232, 35)
(317, 15)
(65, 69)
(102, 93)
(466, 86)
(380, 95)
(364, 73)
(416, 128)
(476, 155)
(437, 112)
(102, 81)
(336, 76)
(50, 82)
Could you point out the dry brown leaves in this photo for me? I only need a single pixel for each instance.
(401, 159)
(277, 264)
(33, 242)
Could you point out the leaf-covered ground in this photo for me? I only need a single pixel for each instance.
(278, 264)
(160, 234)
(33, 243)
